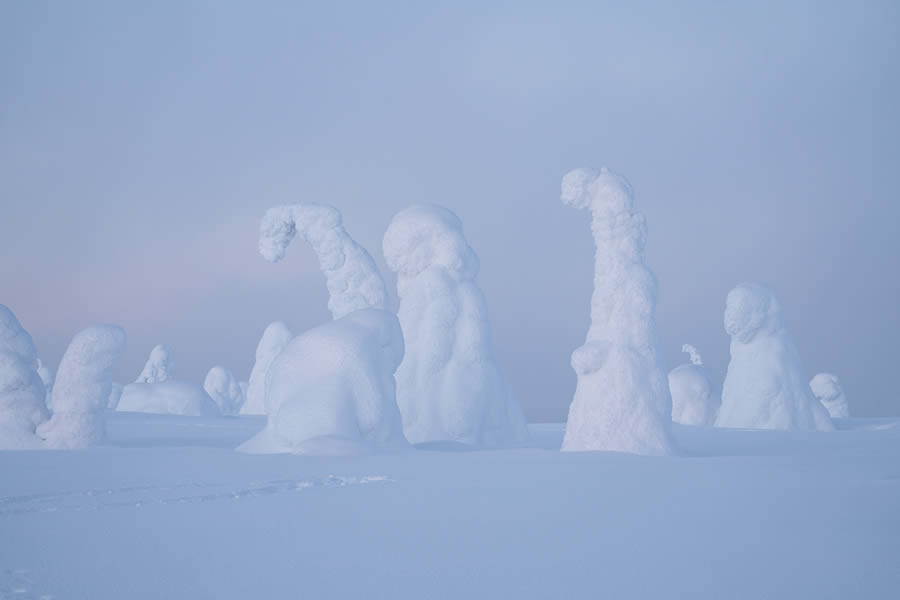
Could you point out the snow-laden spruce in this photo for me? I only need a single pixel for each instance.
(827, 388)
(332, 389)
(693, 402)
(224, 389)
(765, 387)
(159, 367)
(22, 395)
(170, 397)
(273, 340)
(622, 400)
(46, 375)
(449, 386)
(82, 387)
(351, 276)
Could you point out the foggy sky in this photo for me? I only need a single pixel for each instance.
(140, 145)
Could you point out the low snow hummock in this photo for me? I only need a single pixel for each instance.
(22, 396)
(693, 401)
(622, 400)
(171, 397)
(273, 340)
(450, 387)
(82, 388)
(765, 387)
(827, 388)
(332, 389)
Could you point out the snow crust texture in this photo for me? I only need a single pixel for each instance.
(827, 388)
(274, 339)
(622, 400)
(765, 387)
(170, 397)
(450, 386)
(22, 394)
(82, 388)
(351, 276)
(160, 366)
(693, 401)
(224, 389)
(332, 389)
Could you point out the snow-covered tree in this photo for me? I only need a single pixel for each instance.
(622, 400)
(693, 402)
(82, 388)
(46, 375)
(450, 386)
(273, 340)
(827, 388)
(224, 389)
(159, 367)
(22, 395)
(765, 387)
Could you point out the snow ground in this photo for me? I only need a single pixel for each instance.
(169, 510)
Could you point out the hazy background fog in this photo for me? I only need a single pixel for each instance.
(141, 142)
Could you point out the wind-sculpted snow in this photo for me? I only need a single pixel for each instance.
(22, 394)
(765, 387)
(159, 367)
(224, 389)
(693, 402)
(170, 397)
(82, 388)
(622, 400)
(274, 339)
(351, 276)
(332, 390)
(449, 386)
(827, 388)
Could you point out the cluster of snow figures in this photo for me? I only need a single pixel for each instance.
(693, 402)
(157, 391)
(622, 400)
(80, 392)
(449, 386)
(765, 387)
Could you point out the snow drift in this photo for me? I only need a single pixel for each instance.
(827, 389)
(332, 389)
(449, 385)
(693, 402)
(159, 367)
(170, 397)
(274, 339)
(622, 400)
(224, 389)
(82, 388)
(351, 276)
(22, 395)
(765, 387)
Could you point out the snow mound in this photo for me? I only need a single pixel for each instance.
(332, 390)
(274, 339)
(22, 395)
(351, 276)
(170, 397)
(827, 388)
(693, 402)
(82, 388)
(224, 389)
(449, 386)
(765, 387)
(160, 366)
(622, 400)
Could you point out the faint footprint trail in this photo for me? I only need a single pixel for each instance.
(188, 493)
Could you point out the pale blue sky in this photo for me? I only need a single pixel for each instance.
(141, 142)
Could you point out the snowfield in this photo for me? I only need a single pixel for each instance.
(169, 510)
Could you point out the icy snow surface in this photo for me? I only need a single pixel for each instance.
(622, 399)
(765, 386)
(169, 510)
(450, 386)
